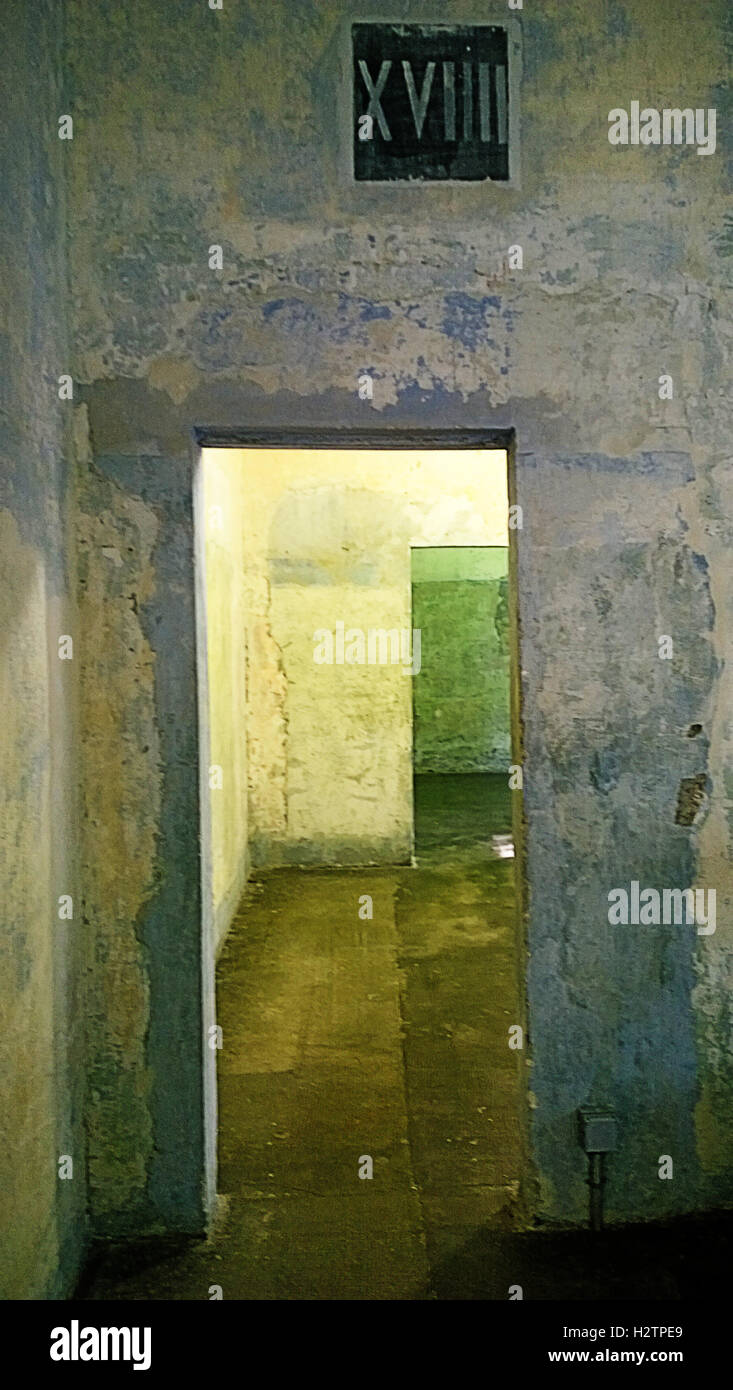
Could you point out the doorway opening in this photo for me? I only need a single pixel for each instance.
(461, 699)
(365, 921)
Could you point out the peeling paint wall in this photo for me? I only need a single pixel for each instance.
(121, 809)
(141, 844)
(198, 127)
(461, 696)
(325, 539)
(42, 1215)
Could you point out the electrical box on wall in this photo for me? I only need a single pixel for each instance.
(430, 102)
(598, 1129)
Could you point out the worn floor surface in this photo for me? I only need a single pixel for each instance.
(347, 1037)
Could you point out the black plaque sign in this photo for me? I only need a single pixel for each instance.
(430, 102)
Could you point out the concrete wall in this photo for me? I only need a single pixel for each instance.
(461, 696)
(224, 520)
(199, 127)
(144, 901)
(326, 537)
(42, 1217)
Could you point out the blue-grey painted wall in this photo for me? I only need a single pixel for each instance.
(199, 127)
(42, 1214)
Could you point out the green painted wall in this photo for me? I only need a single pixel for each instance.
(461, 694)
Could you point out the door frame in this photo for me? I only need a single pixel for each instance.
(347, 438)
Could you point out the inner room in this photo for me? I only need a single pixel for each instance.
(461, 697)
(362, 906)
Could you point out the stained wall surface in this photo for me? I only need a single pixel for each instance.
(141, 845)
(460, 604)
(199, 128)
(42, 1214)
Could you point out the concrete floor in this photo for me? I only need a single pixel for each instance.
(346, 1037)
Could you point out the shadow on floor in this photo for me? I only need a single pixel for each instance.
(680, 1260)
(684, 1260)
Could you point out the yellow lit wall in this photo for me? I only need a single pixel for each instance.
(326, 539)
(224, 510)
